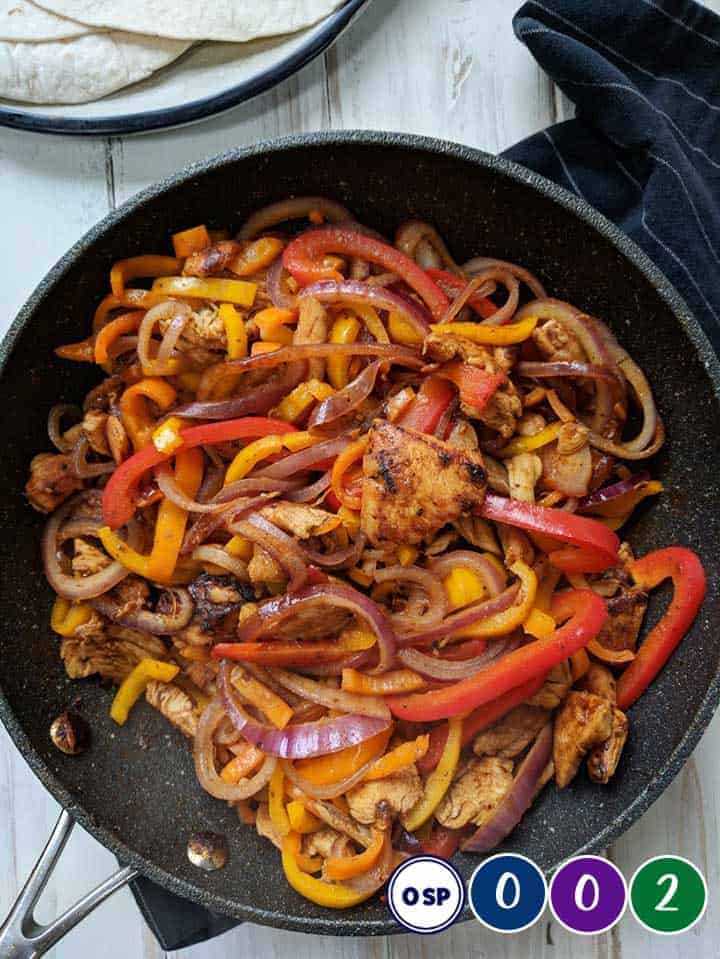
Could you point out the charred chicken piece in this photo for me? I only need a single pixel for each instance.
(52, 481)
(216, 596)
(585, 721)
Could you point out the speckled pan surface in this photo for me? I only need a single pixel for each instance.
(135, 790)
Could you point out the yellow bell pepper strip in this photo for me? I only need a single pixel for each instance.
(123, 552)
(138, 266)
(345, 867)
(597, 546)
(299, 401)
(401, 331)
(583, 613)
(373, 323)
(166, 437)
(539, 624)
(355, 639)
(580, 663)
(240, 547)
(328, 894)
(463, 587)
(301, 820)
(187, 242)
(256, 256)
(248, 457)
(262, 697)
(403, 755)
(172, 519)
(439, 780)
(260, 346)
(351, 454)
(276, 802)
(134, 685)
(407, 555)
(489, 335)
(66, 616)
(509, 619)
(526, 444)
(242, 764)
(127, 323)
(239, 292)
(685, 570)
(133, 407)
(333, 767)
(345, 329)
(396, 681)
(234, 331)
(272, 323)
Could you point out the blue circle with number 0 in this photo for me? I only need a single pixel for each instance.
(507, 893)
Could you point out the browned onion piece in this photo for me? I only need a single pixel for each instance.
(463, 618)
(170, 489)
(53, 426)
(219, 557)
(86, 470)
(505, 312)
(70, 587)
(281, 547)
(296, 208)
(206, 524)
(178, 314)
(307, 459)
(332, 412)
(476, 286)
(279, 296)
(308, 494)
(412, 235)
(517, 800)
(147, 620)
(451, 670)
(342, 558)
(479, 263)
(356, 293)
(565, 368)
(492, 578)
(257, 401)
(207, 774)
(437, 603)
(328, 790)
(336, 699)
(622, 452)
(375, 878)
(569, 473)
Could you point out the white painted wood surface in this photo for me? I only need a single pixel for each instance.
(452, 69)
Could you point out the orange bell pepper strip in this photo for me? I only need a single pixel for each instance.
(685, 570)
(277, 653)
(614, 657)
(171, 519)
(187, 242)
(242, 764)
(133, 408)
(489, 335)
(403, 755)
(333, 767)
(262, 697)
(120, 492)
(345, 867)
(396, 681)
(597, 546)
(256, 256)
(127, 323)
(479, 719)
(476, 386)
(580, 662)
(301, 820)
(328, 894)
(351, 454)
(584, 613)
(439, 780)
(140, 266)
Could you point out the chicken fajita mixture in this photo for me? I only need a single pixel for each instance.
(346, 513)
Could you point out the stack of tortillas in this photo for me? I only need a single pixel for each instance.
(75, 51)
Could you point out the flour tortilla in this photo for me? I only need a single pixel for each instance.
(83, 68)
(233, 20)
(22, 20)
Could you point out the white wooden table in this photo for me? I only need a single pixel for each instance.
(452, 69)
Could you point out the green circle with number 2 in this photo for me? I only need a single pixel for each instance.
(668, 894)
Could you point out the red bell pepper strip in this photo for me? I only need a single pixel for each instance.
(277, 653)
(598, 545)
(119, 497)
(476, 386)
(689, 585)
(452, 285)
(426, 410)
(585, 613)
(478, 720)
(443, 842)
(302, 258)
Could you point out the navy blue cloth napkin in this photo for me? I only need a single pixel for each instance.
(644, 150)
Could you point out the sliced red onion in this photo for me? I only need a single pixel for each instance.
(207, 775)
(281, 547)
(413, 235)
(342, 558)
(493, 579)
(256, 401)
(205, 525)
(566, 368)
(295, 208)
(608, 493)
(86, 470)
(147, 620)
(302, 740)
(54, 420)
(336, 699)
(375, 878)
(428, 581)
(178, 314)
(451, 670)
(279, 297)
(308, 494)
(277, 611)
(359, 660)
(479, 263)
(307, 459)
(505, 312)
(464, 618)
(332, 413)
(517, 800)
(356, 293)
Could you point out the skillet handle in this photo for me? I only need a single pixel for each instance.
(21, 937)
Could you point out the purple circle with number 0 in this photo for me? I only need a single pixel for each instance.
(588, 895)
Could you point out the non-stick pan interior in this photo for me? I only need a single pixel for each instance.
(136, 787)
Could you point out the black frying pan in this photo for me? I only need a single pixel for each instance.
(143, 802)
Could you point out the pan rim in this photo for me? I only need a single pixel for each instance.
(352, 923)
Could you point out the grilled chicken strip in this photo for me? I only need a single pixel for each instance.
(585, 720)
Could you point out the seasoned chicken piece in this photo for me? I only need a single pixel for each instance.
(211, 260)
(300, 520)
(511, 734)
(131, 595)
(414, 484)
(463, 436)
(52, 480)
(476, 793)
(626, 612)
(117, 438)
(327, 843)
(87, 558)
(111, 656)
(524, 471)
(266, 827)
(401, 792)
(203, 675)
(312, 327)
(554, 689)
(585, 720)
(557, 343)
(175, 705)
(600, 681)
(262, 568)
(603, 760)
(94, 426)
(94, 628)
(194, 634)
(205, 330)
